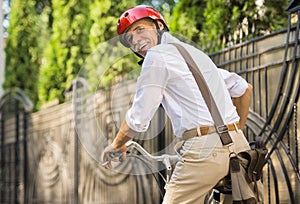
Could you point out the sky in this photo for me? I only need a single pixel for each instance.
(5, 11)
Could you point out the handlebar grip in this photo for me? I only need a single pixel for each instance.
(115, 154)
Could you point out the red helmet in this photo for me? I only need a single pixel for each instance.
(137, 13)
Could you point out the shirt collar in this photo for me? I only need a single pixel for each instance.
(168, 38)
(165, 39)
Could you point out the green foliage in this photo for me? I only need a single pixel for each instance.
(275, 16)
(187, 18)
(79, 38)
(219, 22)
(104, 14)
(109, 63)
(224, 18)
(112, 61)
(67, 49)
(22, 49)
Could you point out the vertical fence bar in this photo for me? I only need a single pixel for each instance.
(9, 162)
(296, 136)
(161, 141)
(76, 153)
(25, 165)
(17, 152)
(267, 92)
(259, 92)
(2, 135)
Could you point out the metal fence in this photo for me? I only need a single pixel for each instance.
(51, 156)
(14, 110)
(273, 69)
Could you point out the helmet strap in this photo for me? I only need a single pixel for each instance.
(159, 32)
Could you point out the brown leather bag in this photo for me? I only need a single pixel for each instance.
(256, 159)
(253, 162)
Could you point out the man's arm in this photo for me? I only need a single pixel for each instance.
(125, 134)
(242, 105)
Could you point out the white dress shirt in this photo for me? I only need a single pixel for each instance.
(166, 79)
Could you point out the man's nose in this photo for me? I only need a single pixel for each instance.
(136, 44)
(136, 39)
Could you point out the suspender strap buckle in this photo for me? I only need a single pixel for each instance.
(222, 129)
(226, 139)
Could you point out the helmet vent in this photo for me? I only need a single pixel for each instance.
(126, 14)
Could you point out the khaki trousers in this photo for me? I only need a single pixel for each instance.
(204, 161)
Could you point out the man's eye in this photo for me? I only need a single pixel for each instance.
(139, 30)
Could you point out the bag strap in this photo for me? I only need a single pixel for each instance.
(221, 128)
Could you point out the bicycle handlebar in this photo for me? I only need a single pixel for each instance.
(166, 159)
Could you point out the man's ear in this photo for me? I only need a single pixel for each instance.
(160, 25)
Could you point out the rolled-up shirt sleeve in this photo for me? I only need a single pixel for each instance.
(149, 94)
(236, 85)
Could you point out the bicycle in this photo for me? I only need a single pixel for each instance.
(167, 159)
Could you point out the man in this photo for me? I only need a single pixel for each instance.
(165, 79)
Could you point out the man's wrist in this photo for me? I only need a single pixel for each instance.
(126, 130)
(125, 134)
(116, 144)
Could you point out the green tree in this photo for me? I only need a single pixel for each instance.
(216, 22)
(187, 18)
(108, 55)
(67, 49)
(22, 50)
(104, 14)
(223, 18)
(274, 15)
(228, 20)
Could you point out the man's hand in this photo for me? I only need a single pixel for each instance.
(125, 134)
(111, 153)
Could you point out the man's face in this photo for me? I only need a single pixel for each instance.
(141, 36)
